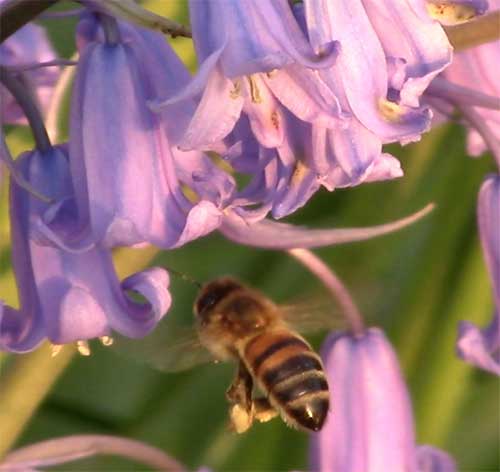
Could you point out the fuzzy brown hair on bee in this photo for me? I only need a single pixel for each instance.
(237, 322)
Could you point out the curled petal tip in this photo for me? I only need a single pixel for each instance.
(272, 235)
(478, 346)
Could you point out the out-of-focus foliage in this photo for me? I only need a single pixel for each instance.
(415, 284)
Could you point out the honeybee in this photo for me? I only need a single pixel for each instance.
(238, 323)
(234, 322)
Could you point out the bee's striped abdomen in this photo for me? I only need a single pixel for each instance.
(292, 375)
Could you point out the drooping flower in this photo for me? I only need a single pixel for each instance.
(128, 181)
(481, 347)
(389, 56)
(306, 123)
(370, 426)
(311, 156)
(255, 59)
(64, 296)
(26, 48)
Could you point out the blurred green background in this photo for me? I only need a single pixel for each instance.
(416, 284)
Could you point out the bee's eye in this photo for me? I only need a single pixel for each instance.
(213, 293)
(206, 302)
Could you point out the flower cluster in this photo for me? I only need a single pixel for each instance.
(293, 97)
(289, 97)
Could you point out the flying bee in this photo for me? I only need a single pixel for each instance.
(236, 323)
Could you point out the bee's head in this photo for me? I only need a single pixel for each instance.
(211, 294)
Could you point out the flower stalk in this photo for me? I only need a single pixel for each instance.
(14, 14)
(25, 101)
(33, 374)
(334, 285)
(477, 32)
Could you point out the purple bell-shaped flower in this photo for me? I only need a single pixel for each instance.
(64, 296)
(370, 425)
(127, 178)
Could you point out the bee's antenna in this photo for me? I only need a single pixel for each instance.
(183, 276)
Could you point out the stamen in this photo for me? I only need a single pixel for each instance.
(55, 349)
(390, 111)
(83, 348)
(272, 73)
(275, 119)
(254, 90)
(236, 92)
(106, 340)
(450, 14)
(298, 172)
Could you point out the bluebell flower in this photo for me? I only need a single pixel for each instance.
(370, 426)
(481, 347)
(389, 56)
(307, 123)
(64, 296)
(284, 178)
(25, 49)
(254, 58)
(129, 182)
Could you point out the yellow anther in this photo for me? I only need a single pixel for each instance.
(236, 92)
(106, 340)
(450, 14)
(390, 111)
(55, 349)
(83, 348)
(299, 172)
(254, 90)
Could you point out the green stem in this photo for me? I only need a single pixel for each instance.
(14, 14)
(24, 386)
(448, 378)
(25, 101)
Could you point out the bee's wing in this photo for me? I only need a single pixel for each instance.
(311, 316)
(170, 348)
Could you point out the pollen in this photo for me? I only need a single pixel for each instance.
(236, 91)
(275, 119)
(450, 13)
(106, 340)
(299, 172)
(55, 349)
(83, 348)
(254, 90)
(390, 111)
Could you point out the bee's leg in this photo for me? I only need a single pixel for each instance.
(239, 394)
(240, 390)
(264, 411)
